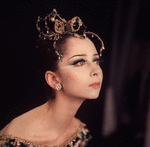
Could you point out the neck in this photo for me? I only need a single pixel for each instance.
(61, 111)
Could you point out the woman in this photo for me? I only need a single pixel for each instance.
(69, 62)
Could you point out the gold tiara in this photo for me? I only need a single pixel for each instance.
(74, 26)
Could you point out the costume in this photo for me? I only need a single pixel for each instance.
(76, 27)
(80, 138)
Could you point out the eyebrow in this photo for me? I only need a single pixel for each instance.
(78, 55)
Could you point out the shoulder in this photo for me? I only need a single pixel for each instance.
(15, 127)
(20, 125)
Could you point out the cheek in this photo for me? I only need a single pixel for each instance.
(73, 84)
(69, 77)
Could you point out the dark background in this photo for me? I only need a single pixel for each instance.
(123, 25)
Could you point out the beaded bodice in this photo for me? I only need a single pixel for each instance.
(80, 138)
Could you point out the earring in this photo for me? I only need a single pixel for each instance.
(58, 86)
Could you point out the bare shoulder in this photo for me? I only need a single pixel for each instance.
(4, 130)
(20, 125)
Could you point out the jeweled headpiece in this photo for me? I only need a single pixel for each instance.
(74, 26)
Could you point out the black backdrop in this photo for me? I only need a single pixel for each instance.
(21, 88)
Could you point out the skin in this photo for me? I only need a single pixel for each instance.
(53, 122)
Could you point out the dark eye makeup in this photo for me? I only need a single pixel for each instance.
(77, 61)
(97, 60)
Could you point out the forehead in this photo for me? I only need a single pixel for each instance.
(80, 46)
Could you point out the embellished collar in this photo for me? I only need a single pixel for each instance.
(82, 136)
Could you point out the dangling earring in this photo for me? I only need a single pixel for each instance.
(58, 86)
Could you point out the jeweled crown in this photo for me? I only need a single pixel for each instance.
(74, 26)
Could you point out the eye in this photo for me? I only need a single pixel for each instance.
(79, 62)
(97, 61)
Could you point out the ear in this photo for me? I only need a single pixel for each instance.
(51, 78)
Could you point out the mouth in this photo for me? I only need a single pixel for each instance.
(95, 85)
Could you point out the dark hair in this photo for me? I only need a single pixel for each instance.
(48, 60)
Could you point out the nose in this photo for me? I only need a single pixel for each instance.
(95, 70)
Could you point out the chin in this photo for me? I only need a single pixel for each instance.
(93, 96)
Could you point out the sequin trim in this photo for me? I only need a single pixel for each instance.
(82, 136)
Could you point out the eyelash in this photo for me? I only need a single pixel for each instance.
(82, 60)
(78, 61)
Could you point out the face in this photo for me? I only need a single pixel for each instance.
(79, 71)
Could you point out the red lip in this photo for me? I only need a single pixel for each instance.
(95, 85)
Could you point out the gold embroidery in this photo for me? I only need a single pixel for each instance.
(7, 137)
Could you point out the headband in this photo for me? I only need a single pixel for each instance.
(61, 27)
